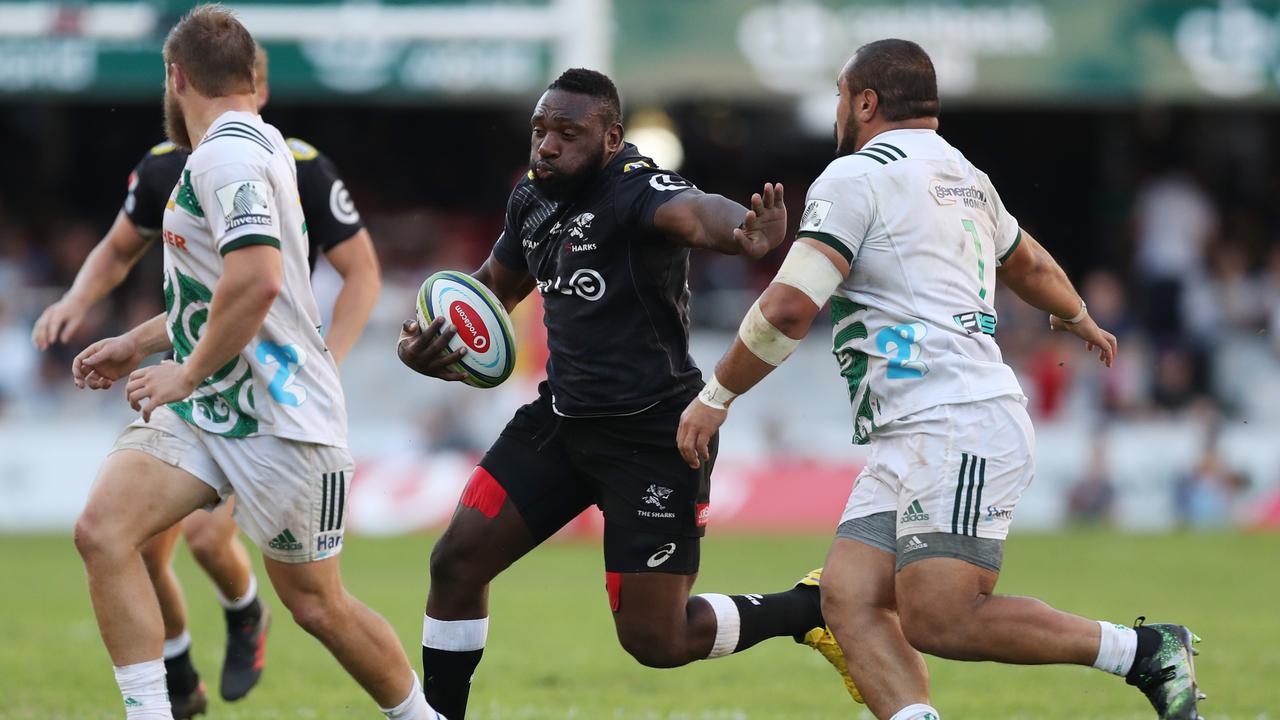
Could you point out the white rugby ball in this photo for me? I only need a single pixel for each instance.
(484, 327)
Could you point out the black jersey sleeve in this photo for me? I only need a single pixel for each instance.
(327, 206)
(508, 250)
(642, 189)
(150, 185)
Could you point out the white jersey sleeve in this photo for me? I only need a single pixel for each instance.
(241, 205)
(1007, 232)
(838, 212)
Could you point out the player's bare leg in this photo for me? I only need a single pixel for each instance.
(658, 623)
(187, 694)
(859, 605)
(478, 545)
(359, 638)
(215, 544)
(135, 497)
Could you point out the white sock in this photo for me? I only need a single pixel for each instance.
(174, 647)
(454, 635)
(243, 601)
(1117, 649)
(143, 689)
(728, 624)
(919, 711)
(414, 707)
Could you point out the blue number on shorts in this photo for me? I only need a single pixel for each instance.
(284, 386)
(901, 344)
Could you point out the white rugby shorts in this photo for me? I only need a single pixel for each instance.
(958, 469)
(291, 496)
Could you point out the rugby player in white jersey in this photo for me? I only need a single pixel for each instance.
(907, 239)
(251, 405)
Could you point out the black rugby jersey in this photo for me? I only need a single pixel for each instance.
(330, 214)
(614, 289)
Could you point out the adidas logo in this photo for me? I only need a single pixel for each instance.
(285, 541)
(915, 543)
(914, 513)
(132, 701)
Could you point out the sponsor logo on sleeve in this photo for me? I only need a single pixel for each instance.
(635, 166)
(702, 514)
(815, 213)
(245, 203)
(665, 182)
(341, 204)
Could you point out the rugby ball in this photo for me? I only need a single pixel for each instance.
(484, 327)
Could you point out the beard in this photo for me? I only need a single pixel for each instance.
(175, 122)
(849, 143)
(562, 185)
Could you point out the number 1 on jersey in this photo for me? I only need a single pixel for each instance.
(982, 265)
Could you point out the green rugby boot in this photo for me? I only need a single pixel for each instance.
(1167, 676)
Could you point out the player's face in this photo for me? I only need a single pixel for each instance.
(175, 121)
(567, 147)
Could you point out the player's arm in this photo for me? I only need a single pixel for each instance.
(357, 263)
(106, 267)
(714, 222)
(426, 350)
(105, 361)
(251, 279)
(769, 333)
(1033, 275)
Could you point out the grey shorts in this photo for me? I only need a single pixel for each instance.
(880, 532)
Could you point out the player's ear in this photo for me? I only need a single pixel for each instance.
(177, 77)
(866, 104)
(613, 138)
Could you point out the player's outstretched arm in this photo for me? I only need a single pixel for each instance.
(714, 222)
(106, 267)
(1033, 275)
(769, 333)
(357, 263)
(426, 350)
(98, 366)
(251, 279)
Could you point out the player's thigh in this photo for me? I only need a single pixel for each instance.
(155, 475)
(857, 576)
(521, 493)
(290, 496)
(963, 470)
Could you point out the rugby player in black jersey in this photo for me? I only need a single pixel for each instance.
(334, 229)
(605, 236)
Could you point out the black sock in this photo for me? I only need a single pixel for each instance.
(180, 675)
(1148, 645)
(792, 613)
(246, 616)
(446, 679)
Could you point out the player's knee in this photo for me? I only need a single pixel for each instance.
(95, 538)
(653, 648)
(318, 615)
(453, 570)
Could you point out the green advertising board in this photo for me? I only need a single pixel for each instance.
(1081, 51)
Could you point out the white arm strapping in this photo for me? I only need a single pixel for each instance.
(809, 271)
(763, 339)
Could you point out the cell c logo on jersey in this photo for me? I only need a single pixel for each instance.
(665, 182)
(587, 284)
(341, 205)
(469, 332)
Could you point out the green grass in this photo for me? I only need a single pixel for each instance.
(552, 653)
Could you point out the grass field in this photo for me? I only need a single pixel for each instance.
(552, 653)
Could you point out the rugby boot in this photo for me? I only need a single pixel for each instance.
(821, 639)
(246, 650)
(189, 705)
(1167, 675)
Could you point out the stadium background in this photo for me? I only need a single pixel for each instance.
(1137, 140)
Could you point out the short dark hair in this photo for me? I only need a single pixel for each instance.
(902, 76)
(593, 84)
(214, 50)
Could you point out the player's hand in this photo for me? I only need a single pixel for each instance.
(426, 350)
(765, 225)
(1095, 338)
(151, 387)
(104, 362)
(698, 424)
(58, 322)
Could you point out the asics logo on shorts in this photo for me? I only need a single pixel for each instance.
(664, 553)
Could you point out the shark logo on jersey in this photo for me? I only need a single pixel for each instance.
(579, 225)
(657, 496)
(245, 203)
(946, 195)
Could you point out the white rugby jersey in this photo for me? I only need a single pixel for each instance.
(239, 188)
(923, 230)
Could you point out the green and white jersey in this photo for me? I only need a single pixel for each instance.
(923, 231)
(239, 188)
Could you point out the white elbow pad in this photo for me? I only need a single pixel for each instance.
(763, 339)
(809, 271)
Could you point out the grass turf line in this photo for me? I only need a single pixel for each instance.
(552, 653)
